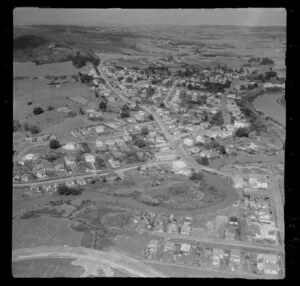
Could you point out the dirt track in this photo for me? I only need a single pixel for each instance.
(100, 258)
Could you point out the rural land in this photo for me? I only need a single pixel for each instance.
(148, 151)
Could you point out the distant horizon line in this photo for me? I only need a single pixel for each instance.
(132, 25)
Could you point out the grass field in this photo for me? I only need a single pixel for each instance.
(43, 231)
(46, 267)
(32, 70)
(41, 95)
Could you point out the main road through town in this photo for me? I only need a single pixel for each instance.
(184, 156)
(171, 140)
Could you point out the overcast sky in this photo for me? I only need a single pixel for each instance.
(238, 17)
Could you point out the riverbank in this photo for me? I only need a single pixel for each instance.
(269, 105)
(281, 101)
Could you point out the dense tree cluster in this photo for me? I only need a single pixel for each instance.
(52, 156)
(266, 76)
(85, 78)
(103, 105)
(141, 143)
(254, 60)
(202, 161)
(125, 111)
(256, 124)
(80, 60)
(196, 176)
(63, 190)
(99, 162)
(144, 131)
(33, 129)
(26, 42)
(150, 91)
(266, 61)
(242, 132)
(38, 110)
(54, 144)
(150, 117)
(217, 119)
(216, 86)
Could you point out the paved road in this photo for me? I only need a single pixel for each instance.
(225, 113)
(85, 175)
(170, 92)
(277, 204)
(234, 243)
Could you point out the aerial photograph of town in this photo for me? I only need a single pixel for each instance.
(149, 143)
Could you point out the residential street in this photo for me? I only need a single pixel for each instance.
(219, 242)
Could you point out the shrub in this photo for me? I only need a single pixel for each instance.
(202, 161)
(196, 177)
(150, 117)
(34, 129)
(103, 105)
(81, 111)
(29, 102)
(54, 144)
(72, 114)
(16, 125)
(144, 131)
(140, 143)
(222, 150)
(51, 157)
(38, 110)
(125, 114)
(50, 108)
(242, 132)
(99, 162)
(266, 61)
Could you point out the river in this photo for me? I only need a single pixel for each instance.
(267, 103)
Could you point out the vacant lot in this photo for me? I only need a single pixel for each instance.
(46, 267)
(43, 231)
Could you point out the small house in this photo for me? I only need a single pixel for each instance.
(235, 256)
(270, 268)
(185, 230)
(169, 246)
(81, 181)
(185, 248)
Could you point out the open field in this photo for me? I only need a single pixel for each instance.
(31, 70)
(173, 270)
(46, 267)
(43, 231)
(101, 259)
